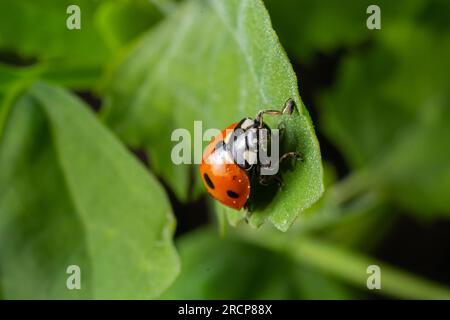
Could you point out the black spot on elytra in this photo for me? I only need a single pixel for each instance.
(232, 194)
(208, 181)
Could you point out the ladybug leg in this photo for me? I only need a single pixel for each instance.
(288, 108)
(267, 180)
(278, 180)
(290, 155)
(264, 180)
(259, 116)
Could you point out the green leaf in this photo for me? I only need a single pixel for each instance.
(106, 26)
(120, 21)
(70, 193)
(388, 115)
(214, 61)
(26, 25)
(228, 268)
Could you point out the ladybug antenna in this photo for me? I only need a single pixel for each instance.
(289, 107)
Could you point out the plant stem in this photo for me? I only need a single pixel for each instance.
(354, 195)
(347, 265)
(354, 184)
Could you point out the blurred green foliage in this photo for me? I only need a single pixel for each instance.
(71, 193)
(392, 117)
(228, 268)
(36, 32)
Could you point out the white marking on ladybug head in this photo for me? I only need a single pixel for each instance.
(221, 156)
(229, 134)
(247, 123)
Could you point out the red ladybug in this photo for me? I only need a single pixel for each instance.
(230, 161)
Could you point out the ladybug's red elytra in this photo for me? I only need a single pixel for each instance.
(231, 159)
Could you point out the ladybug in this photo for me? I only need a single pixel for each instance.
(231, 161)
